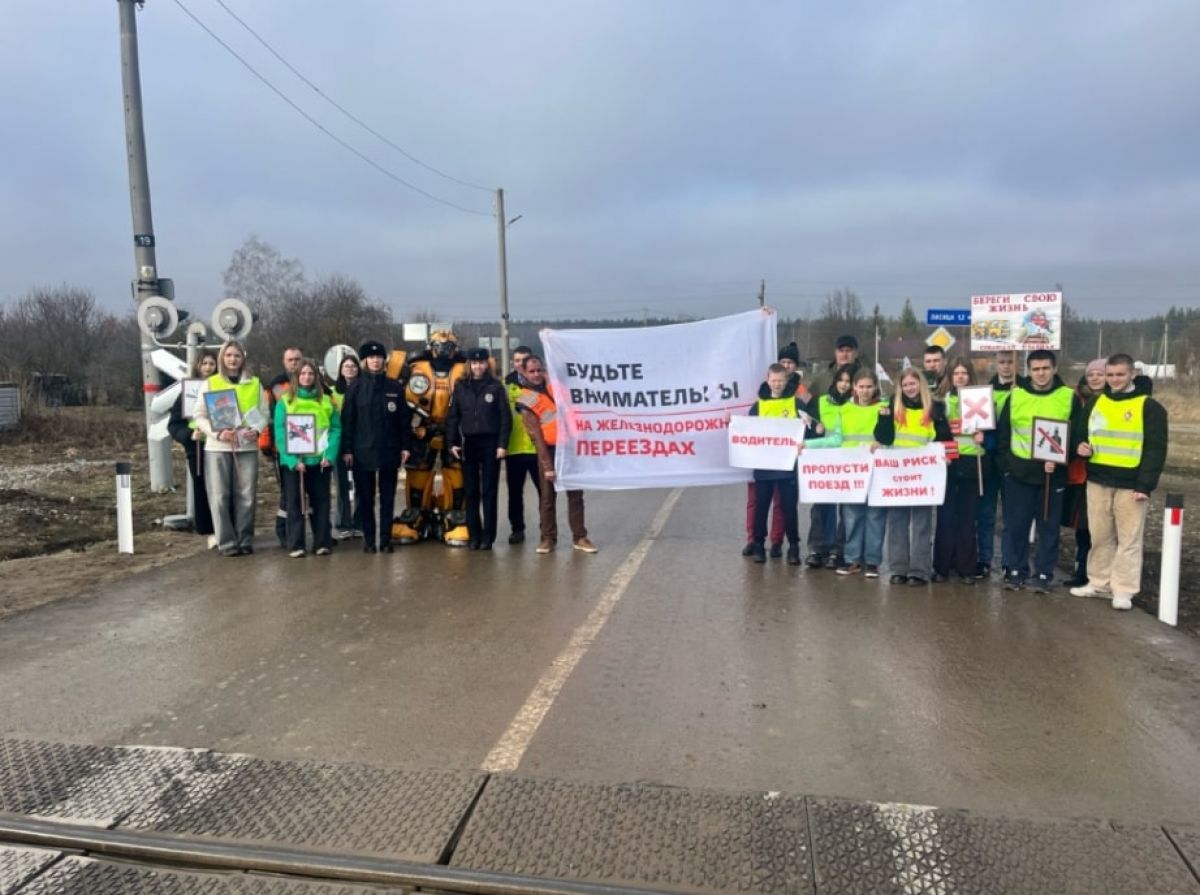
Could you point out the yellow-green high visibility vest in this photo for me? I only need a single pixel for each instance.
(1026, 405)
(858, 424)
(1001, 396)
(778, 407)
(248, 390)
(966, 443)
(912, 433)
(519, 441)
(321, 409)
(1116, 431)
(831, 414)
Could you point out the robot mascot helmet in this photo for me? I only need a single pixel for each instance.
(429, 379)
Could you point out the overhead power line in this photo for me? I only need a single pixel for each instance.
(332, 136)
(321, 93)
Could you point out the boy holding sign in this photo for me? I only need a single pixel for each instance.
(766, 481)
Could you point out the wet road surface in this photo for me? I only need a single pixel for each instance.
(666, 658)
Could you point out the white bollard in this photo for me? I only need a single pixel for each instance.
(1172, 549)
(124, 508)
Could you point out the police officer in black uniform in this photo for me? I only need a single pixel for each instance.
(376, 438)
(477, 431)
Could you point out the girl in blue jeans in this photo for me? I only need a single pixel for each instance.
(865, 525)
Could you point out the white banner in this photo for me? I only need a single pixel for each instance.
(909, 477)
(647, 407)
(764, 442)
(1021, 321)
(835, 475)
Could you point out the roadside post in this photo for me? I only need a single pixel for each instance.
(124, 508)
(1172, 544)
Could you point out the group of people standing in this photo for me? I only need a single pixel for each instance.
(363, 437)
(1118, 444)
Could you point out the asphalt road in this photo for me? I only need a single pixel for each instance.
(666, 657)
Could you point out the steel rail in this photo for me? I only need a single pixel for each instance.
(180, 851)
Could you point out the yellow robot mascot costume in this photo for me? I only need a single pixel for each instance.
(428, 380)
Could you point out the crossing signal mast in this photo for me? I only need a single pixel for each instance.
(157, 314)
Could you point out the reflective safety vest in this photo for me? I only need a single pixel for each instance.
(911, 432)
(1001, 396)
(858, 423)
(248, 391)
(784, 408)
(321, 409)
(519, 441)
(544, 409)
(1116, 431)
(831, 414)
(966, 443)
(1026, 405)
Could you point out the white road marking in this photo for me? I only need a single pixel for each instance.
(508, 751)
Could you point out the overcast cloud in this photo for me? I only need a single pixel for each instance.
(664, 155)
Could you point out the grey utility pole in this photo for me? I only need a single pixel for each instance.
(501, 225)
(146, 283)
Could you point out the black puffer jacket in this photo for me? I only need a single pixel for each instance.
(478, 407)
(376, 422)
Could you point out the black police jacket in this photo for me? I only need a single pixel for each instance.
(376, 422)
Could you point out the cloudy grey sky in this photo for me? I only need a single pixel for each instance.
(664, 155)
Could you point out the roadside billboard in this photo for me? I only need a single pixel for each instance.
(1019, 321)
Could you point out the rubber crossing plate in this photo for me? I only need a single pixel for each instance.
(19, 864)
(866, 847)
(84, 784)
(641, 836)
(348, 808)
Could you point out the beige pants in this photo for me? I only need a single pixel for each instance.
(1117, 523)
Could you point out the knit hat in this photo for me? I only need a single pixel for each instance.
(846, 342)
(790, 352)
(371, 349)
(1094, 365)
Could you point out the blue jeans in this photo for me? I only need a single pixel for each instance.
(865, 528)
(823, 528)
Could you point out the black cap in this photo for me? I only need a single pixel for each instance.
(478, 354)
(846, 342)
(791, 352)
(371, 349)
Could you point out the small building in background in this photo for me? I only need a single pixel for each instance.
(10, 405)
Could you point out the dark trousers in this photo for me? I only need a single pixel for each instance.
(315, 483)
(776, 516)
(548, 511)
(826, 534)
(365, 481)
(481, 486)
(985, 519)
(788, 491)
(202, 523)
(1022, 507)
(516, 468)
(954, 547)
(347, 514)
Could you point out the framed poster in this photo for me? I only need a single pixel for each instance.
(301, 432)
(191, 394)
(977, 408)
(223, 410)
(1051, 439)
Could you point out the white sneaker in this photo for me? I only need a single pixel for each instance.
(1088, 591)
(212, 542)
(1122, 601)
(296, 554)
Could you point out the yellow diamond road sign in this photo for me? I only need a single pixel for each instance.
(942, 338)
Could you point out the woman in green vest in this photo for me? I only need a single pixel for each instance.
(913, 422)
(231, 450)
(823, 517)
(865, 526)
(954, 540)
(305, 417)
